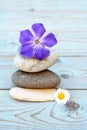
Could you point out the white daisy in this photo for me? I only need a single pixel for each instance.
(62, 96)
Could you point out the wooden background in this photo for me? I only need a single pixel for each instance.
(68, 20)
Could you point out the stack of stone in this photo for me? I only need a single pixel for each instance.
(33, 79)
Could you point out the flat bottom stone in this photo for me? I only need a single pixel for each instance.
(35, 95)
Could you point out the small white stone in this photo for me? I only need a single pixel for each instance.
(34, 65)
(32, 94)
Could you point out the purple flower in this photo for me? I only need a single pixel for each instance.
(34, 45)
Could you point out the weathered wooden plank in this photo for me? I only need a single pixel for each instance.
(72, 71)
(21, 4)
(70, 44)
(17, 115)
(70, 28)
(66, 24)
(66, 14)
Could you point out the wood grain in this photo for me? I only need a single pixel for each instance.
(16, 115)
(70, 30)
(68, 20)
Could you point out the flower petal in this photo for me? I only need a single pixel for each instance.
(25, 36)
(27, 50)
(49, 40)
(38, 29)
(41, 53)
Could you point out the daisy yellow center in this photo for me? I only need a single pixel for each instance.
(61, 96)
(36, 41)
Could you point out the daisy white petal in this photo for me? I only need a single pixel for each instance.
(62, 96)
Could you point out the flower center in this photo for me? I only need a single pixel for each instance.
(36, 41)
(61, 96)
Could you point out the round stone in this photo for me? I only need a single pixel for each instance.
(34, 65)
(32, 94)
(44, 79)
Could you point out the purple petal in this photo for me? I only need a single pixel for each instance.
(38, 29)
(49, 40)
(26, 36)
(41, 53)
(27, 50)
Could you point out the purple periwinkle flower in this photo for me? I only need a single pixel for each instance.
(35, 45)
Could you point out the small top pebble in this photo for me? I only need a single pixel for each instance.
(34, 65)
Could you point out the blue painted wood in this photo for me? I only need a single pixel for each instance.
(67, 19)
(70, 28)
(16, 115)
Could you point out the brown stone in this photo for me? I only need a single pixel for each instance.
(44, 79)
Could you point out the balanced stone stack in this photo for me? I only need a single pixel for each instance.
(34, 81)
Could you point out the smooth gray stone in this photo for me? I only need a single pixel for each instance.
(44, 79)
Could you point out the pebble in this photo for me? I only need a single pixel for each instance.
(34, 65)
(44, 79)
(32, 94)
